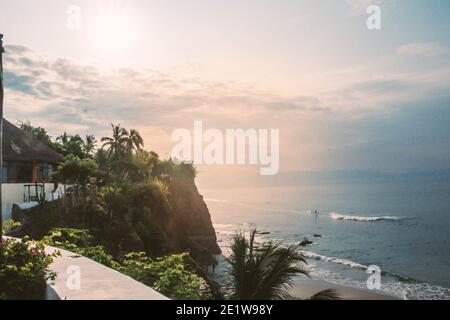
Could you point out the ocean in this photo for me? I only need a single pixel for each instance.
(403, 228)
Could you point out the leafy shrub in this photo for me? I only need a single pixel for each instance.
(79, 241)
(66, 238)
(168, 275)
(8, 226)
(99, 255)
(76, 171)
(24, 269)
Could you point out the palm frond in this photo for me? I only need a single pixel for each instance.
(328, 294)
(262, 271)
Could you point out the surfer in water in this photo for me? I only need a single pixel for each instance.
(316, 214)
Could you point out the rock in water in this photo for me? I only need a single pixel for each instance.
(305, 242)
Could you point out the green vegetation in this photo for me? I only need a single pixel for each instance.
(120, 192)
(8, 226)
(328, 294)
(170, 275)
(24, 270)
(79, 241)
(77, 171)
(64, 144)
(262, 272)
(266, 271)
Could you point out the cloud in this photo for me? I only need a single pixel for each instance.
(336, 128)
(64, 82)
(20, 83)
(16, 49)
(62, 95)
(430, 49)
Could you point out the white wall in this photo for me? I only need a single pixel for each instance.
(13, 193)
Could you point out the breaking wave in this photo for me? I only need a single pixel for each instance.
(345, 262)
(395, 285)
(337, 216)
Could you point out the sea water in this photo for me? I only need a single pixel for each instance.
(402, 228)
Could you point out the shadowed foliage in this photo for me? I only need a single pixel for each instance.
(262, 272)
(328, 294)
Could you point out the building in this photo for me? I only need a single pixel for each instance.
(27, 168)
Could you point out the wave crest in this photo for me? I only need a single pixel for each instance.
(345, 262)
(345, 217)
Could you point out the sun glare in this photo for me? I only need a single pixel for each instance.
(114, 33)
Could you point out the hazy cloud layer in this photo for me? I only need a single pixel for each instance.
(389, 122)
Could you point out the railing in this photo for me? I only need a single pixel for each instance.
(20, 193)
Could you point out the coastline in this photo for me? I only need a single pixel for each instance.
(305, 288)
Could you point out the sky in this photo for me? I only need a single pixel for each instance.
(344, 97)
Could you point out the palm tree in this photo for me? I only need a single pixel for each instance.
(64, 138)
(262, 273)
(76, 139)
(115, 145)
(89, 143)
(134, 141)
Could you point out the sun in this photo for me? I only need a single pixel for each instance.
(114, 33)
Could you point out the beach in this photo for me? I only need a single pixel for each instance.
(305, 288)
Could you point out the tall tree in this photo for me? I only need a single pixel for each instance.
(38, 132)
(134, 141)
(116, 144)
(90, 143)
(63, 139)
(72, 145)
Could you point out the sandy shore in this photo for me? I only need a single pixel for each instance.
(305, 288)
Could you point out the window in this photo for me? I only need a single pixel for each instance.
(17, 172)
(44, 172)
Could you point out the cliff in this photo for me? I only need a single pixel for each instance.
(191, 218)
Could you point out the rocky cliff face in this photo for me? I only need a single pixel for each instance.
(191, 220)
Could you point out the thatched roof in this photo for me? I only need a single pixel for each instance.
(20, 146)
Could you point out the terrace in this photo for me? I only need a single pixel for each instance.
(80, 278)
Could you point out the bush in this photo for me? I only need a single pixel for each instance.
(79, 241)
(24, 270)
(68, 239)
(76, 171)
(99, 255)
(8, 226)
(168, 275)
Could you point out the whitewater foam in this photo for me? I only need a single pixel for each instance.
(345, 262)
(392, 283)
(402, 290)
(346, 217)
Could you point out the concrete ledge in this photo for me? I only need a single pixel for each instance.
(96, 281)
